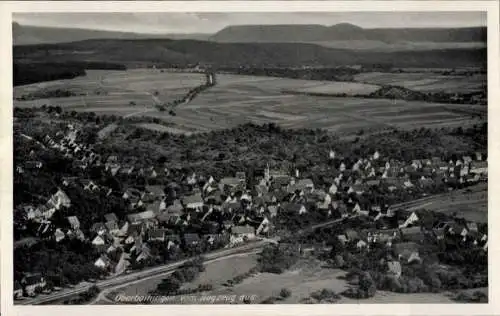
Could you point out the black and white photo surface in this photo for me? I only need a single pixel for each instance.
(250, 158)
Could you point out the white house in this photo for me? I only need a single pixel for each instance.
(103, 262)
(356, 208)
(122, 264)
(194, 201)
(479, 167)
(74, 222)
(59, 199)
(98, 241)
(361, 244)
(263, 227)
(342, 167)
(413, 218)
(408, 184)
(32, 282)
(59, 235)
(240, 234)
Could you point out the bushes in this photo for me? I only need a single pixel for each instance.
(186, 273)
(284, 293)
(475, 297)
(366, 287)
(57, 93)
(269, 300)
(276, 259)
(198, 289)
(239, 278)
(325, 295)
(85, 297)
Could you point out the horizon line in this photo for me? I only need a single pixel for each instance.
(263, 24)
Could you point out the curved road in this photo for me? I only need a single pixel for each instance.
(123, 280)
(102, 297)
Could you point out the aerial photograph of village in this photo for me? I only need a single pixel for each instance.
(238, 158)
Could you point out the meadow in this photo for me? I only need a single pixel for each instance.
(380, 46)
(470, 203)
(238, 99)
(426, 82)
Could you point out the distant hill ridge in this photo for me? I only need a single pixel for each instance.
(29, 35)
(295, 33)
(166, 53)
(345, 31)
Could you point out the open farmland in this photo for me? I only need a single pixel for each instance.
(381, 46)
(103, 90)
(427, 82)
(470, 203)
(237, 99)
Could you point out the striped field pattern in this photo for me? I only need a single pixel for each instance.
(238, 99)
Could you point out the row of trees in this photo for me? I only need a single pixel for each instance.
(26, 72)
(332, 74)
(56, 93)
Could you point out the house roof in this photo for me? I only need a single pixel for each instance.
(281, 180)
(394, 267)
(303, 183)
(111, 225)
(243, 230)
(133, 192)
(190, 238)
(32, 278)
(351, 234)
(230, 181)
(194, 198)
(135, 229)
(154, 207)
(261, 189)
(156, 190)
(272, 209)
(167, 217)
(292, 188)
(373, 182)
(158, 233)
(457, 228)
(392, 181)
(413, 233)
(104, 259)
(426, 182)
(292, 207)
(111, 217)
(173, 237)
(231, 205)
(405, 248)
(98, 226)
(175, 208)
(112, 158)
(479, 164)
(73, 220)
(142, 216)
(359, 187)
(472, 226)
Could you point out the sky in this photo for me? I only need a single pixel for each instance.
(170, 22)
